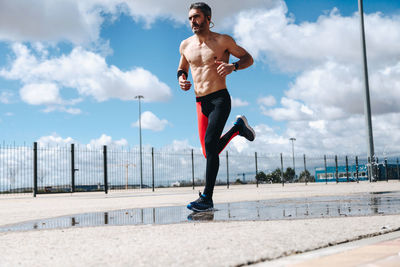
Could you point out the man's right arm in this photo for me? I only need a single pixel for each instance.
(183, 66)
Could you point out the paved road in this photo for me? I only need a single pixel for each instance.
(195, 244)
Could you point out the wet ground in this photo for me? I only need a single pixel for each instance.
(363, 204)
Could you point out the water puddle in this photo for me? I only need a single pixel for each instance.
(365, 204)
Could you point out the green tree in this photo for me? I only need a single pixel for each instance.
(289, 175)
(275, 176)
(306, 175)
(261, 176)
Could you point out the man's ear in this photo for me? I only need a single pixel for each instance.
(209, 18)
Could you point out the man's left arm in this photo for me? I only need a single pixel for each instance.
(245, 59)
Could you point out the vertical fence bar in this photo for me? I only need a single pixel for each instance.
(152, 167)
(192, 170)
(35, 169)
(72, 168)
(347, 169)
(377, 172)
(337, 171)
(326, 171)
(255, 155)
(386, 170)
(283, 180)
(227, 170)
(369, 169)
(305, 168)
(357, 169)
(105, 169)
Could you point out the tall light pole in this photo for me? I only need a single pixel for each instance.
(138, 97)
(294, 167)
(367, 104)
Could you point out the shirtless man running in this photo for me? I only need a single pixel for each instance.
(207, 54)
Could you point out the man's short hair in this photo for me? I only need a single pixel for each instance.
(206, 9)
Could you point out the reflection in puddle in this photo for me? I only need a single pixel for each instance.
(276, 209)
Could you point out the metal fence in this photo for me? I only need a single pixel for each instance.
(40, 169)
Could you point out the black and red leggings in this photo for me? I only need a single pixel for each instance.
(213, 112)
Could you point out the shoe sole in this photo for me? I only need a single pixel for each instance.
(247, 125)
(197, 210)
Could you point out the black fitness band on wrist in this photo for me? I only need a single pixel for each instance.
(180, 72)
(236, 65)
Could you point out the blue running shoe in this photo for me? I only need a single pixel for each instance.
(244, 128)
(203, 203)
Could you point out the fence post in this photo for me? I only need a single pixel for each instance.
(326, 171)
(398, 173)
(105, 169)
(305, 168)
(227, 170)
(386, 171)
(255, 154)
(347, 168)
(369, 169)
(283, 180)
(72, 168)
(152, 167)
(357, 169)
(35, 169)
(192, 170)
(337, 171)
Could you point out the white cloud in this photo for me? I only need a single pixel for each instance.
(150, 121)
(323, 106)
(40, 94)
(267, 101)
(9, 114)
(105, 140)
(52, 21)
(237, 102)
(54, 140)
(6, 97)
(272, 34)
(85, 71)
(80, 22)
(290, 110)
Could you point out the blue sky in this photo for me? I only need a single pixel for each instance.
(69, 72)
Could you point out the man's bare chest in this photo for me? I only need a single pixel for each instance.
(204, 54)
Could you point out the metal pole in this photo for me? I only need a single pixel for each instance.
(357, 169)
(105, 169)
(140, 137)
(192, 170)
(35, 169)
(294, 167)
(398, 173)
(255, 154)
(326, 171)
(347, 169)
(152, 167)
(337, 171)
(305, 168)
(227, 169)
(386, 171)
(72, 168)
(367, 105)
(283, 180)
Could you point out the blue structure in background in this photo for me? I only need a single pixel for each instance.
(388, 172)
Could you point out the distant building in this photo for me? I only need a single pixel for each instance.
(391, 172)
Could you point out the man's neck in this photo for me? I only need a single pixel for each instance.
(202, 37)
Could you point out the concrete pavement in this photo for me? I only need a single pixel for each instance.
(195, 244)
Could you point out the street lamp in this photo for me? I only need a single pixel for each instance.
(294, 167)
(367, 105)
(138, 97)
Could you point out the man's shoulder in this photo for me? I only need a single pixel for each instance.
(185, 43)
(223, 37)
